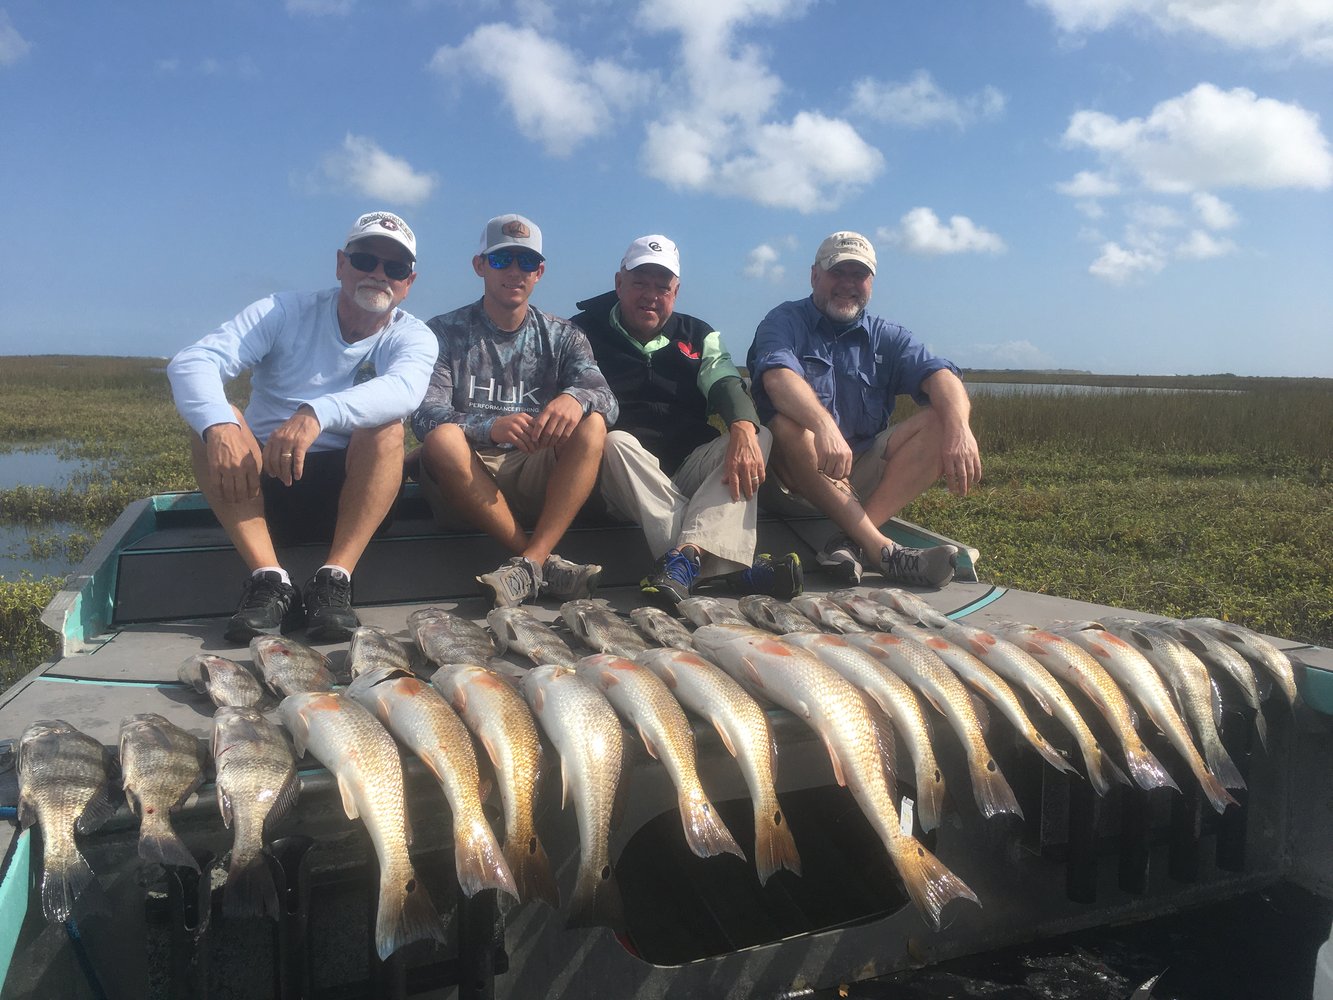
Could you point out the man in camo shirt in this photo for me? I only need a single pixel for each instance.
(514, 420)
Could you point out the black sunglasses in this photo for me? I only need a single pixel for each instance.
(394, 270)
(528, 260)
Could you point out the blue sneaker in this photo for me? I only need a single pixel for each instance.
(781, 577)
(672, 579)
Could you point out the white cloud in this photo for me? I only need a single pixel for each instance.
(708, 24)
(559, 99)
(1210, 138)
(1118, 265)
(1213, 211)
(920, 102)
(1301, 26)
(1203, 246)
(13, 46)
(762, 263)
(320, 8)
(1089, 184)
(362, 166)
(1007, 354)
(921, 232)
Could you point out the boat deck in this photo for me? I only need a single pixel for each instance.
(160, 587)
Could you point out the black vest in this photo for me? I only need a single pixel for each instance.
(660, 401)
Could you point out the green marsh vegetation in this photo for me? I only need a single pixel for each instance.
(1178, 503)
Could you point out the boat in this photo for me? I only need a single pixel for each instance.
(159, 587)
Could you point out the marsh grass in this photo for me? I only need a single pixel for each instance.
(1178, 503)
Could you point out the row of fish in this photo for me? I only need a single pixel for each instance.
(855, 666)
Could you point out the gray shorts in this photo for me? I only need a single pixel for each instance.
(867, 471)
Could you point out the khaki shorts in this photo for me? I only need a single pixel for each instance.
(521, 478)
(867, 471)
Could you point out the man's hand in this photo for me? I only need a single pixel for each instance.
(233, 461)
(962, 460)
(514, 429)
(557, 421)
(743, 469)
(833, 455)
(284, 451)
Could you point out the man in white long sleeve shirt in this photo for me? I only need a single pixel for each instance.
(318, 453)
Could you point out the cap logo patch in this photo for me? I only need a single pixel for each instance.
(655, 246)
(515, 230)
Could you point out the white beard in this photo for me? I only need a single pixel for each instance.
(373, 299)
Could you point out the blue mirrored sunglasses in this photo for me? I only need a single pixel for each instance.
(528, 260)
(394, 270)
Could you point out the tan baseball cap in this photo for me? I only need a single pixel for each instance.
(844, 245)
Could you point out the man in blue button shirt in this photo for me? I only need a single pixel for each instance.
(825, 376)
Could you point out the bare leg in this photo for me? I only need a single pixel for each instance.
(570, 485)
(469, 488)
(243, 521)
(374, 477)
(913, 464)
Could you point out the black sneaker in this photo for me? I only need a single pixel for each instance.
(268, 606)
(841, 558)
(672, 579)
(781, 577)
(328, 605)
(932, 567)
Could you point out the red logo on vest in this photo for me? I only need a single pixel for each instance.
(687, 350)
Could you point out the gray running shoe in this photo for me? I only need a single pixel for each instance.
(514, 582)
(565, 581)
(932, 567)
(841, 558)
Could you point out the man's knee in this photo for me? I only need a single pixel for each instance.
(446, 451)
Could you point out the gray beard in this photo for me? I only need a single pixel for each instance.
(373, 300)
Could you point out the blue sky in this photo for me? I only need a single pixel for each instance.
(1115, 185)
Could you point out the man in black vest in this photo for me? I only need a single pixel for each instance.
(666, 465)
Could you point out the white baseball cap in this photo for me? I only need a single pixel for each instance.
(655, 249)
(511, 231)
(384, 224)
(845, 245)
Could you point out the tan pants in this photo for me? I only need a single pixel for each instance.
(867, 471)
(693, 507)
(521, 478)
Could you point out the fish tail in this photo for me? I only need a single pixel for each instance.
(929, 884)
(406, 913)
(1216, 792)
(1103, 773)
(774, 845)
(1222, 766)
(249, 891)
(929, 789)
(1050, 754)
(479, 861)
(992, 791)
(159, 842)
(705, 832)
(1261, 726)
(1147, 770)
(596, 901)
(531, 869)
(66, 877)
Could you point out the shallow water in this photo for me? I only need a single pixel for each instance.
(1060, 388)
(37, 468)
(37, 551)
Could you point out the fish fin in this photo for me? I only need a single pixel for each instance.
(406, 913)
(981, 709)
(492, 752)
(564, 784)
(159, 842)
(705, 832)
(224, 806)
(250, 890)
(348, 794)
(62, 886)
(1261, 726)
(774, 845)
(1147, 770)
(836, 760)
(724, 735)
(531, 869)
(596, 901)
(1050, 754)
(648, 743)
(991, 790)
(283, 800)
(752, 673)
(928, 882)
(100, 808)
(479, 861)
(1222, 767)
(27, 811)
(1103, 772)
(1217, 794)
